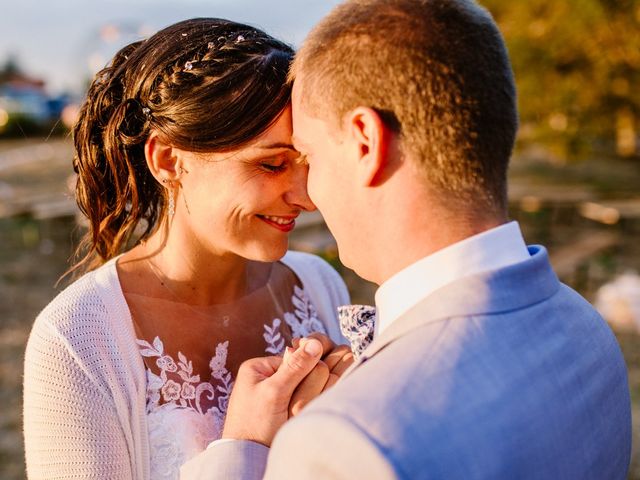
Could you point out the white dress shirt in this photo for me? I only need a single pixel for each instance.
(490, 250)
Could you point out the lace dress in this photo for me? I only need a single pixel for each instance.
(191, 364)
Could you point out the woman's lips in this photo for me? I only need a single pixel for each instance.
(284, 224)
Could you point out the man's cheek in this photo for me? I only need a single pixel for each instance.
(312, 189)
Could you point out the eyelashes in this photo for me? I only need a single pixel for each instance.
(269, 167)
(281, 163)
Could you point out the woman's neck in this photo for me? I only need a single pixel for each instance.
(183, 269)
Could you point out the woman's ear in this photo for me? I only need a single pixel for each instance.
(373, 139)
(162, 159)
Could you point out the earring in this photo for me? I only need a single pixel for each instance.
(172, 204)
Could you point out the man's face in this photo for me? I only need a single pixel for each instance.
(332, 177)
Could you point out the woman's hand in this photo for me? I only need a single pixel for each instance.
(259, 403)
(336, 360)
(269, 390)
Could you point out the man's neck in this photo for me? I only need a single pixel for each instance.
(493, 249)
(412, 223)
(418, 243)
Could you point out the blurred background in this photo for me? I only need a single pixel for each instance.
(575, 176)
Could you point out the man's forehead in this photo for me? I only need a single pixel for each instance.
(300, 118)
(298, 143)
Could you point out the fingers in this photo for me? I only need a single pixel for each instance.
(338, 358)
(327, 343)
(309, 388)
(260, 368)
(296, 365)
(345, 362)
(255, 411)
(339, 355)
(331, 381)
(321, 378)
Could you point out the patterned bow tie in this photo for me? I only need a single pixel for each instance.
(357, 323)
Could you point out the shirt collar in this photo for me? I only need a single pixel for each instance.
(496, 248)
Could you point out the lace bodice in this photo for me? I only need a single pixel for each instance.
(186, 409)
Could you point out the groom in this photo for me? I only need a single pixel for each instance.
(483, 365)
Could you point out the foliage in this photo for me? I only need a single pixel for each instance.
(577, 67)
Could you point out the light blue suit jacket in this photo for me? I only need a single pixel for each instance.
(504, 375)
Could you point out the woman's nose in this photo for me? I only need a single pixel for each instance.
(297, 193)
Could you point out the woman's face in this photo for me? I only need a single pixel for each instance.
(244, 202)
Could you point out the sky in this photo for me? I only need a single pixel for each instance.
(65, 41)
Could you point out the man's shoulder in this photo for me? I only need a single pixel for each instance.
(482, 388)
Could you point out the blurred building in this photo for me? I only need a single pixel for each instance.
(25, 99)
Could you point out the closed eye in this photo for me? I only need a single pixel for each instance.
(274, 168)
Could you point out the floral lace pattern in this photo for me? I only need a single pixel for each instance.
(305, 319)
(192, 413)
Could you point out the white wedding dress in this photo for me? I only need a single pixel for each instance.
(185, 409)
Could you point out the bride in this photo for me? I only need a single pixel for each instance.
(190, 185)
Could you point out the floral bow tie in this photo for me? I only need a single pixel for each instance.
(357, 323)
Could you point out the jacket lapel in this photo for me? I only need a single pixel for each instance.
(511, 288)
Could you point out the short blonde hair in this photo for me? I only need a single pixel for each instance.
(437, 72)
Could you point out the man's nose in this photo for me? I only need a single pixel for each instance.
(297, 193)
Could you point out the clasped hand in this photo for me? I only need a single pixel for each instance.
(270, 390)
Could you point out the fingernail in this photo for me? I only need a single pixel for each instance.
(313, 348)
(287, 353)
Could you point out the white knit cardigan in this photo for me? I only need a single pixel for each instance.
(85, 382)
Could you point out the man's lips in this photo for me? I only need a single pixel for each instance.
(284, 223)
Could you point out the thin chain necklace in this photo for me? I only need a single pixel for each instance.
(156, 272)
(195, 311)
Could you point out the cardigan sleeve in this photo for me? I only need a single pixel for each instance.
(71, 427)
(312, 446)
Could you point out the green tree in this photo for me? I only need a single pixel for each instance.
(577, 67)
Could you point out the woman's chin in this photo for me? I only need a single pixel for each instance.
(270, 253)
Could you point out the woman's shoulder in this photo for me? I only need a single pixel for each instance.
(317, 275)
(84, 303)
(309, 264)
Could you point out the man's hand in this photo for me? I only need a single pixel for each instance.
(259, 403)
(335, 360)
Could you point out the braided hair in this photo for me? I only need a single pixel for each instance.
(204, 85)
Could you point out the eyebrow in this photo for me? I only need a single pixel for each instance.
(271, 146)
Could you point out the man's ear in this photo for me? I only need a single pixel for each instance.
(162, 159)
(373, 141)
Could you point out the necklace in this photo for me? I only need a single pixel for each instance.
(162, 279)
(226, 319)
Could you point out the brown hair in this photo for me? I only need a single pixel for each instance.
(203, 84)
(438, 73)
